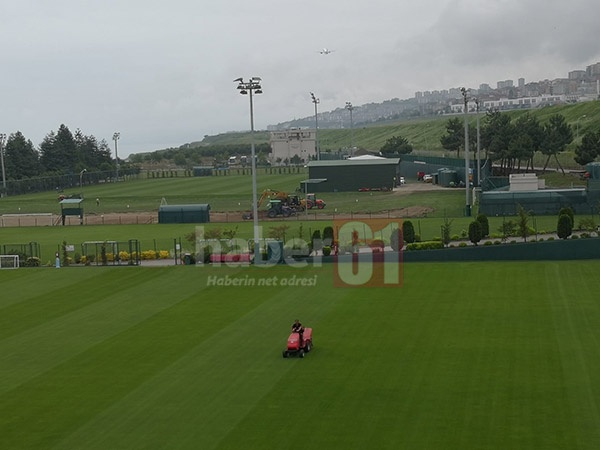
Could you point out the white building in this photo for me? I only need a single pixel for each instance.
(293, 142)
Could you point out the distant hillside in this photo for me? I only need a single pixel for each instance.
(423, 133)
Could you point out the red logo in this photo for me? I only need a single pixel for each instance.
(368, 253)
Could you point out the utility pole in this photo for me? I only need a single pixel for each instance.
(2, 139)
(465, 93)
(315, 100)
(350, 108)
(116, 137)
(478, 146)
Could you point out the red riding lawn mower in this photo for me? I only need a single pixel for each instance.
(295, 347)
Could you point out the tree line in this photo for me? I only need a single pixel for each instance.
(513, 143)
(60, 153)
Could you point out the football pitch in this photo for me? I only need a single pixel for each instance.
(462, 356)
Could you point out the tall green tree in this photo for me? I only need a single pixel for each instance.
(22, 159)
(496, 136)
(589, 149)
(531, 133)
(454, 138)
(558, 133)
(59, 152)
(396, 145)
(91, 154)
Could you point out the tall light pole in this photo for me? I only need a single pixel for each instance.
(467, 164)
(315, 100)
(116, 137)
(350, 108)
(252, 86)
(582, 117)
(81, 178)
(478, 145)
(2, 139)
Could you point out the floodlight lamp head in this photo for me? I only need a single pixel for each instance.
(243, 91)
(256, 79)
(258, 91)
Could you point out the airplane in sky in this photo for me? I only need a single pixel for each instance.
(326, 51)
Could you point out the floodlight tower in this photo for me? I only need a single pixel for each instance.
(116, 137)
(250, 87)
(350, 108)
(2, 139)
(316, 101)
(478, 144)
(465, 94)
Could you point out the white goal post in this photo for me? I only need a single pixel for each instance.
(9, 261)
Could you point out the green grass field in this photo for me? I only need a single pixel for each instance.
(463, 356)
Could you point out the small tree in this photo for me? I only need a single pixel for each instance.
(316, 242)
(396, 145)
(328, 236)
(485, 225)
(396, 240)
(475, 232)
(564, 228)
(569, 212)
(523, 223)
(446, 231)
(408, 231)
(65, 254)
(507, 229)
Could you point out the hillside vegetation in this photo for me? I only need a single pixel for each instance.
(425, 133)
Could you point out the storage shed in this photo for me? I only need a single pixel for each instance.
(352, 175)
(196, 213)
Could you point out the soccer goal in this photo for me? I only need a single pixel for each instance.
(9, 261)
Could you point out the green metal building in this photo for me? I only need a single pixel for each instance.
(353, 174)
(199, 213)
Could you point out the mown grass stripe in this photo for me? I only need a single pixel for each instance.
(196, 400)
(67, 292)
(117, 308)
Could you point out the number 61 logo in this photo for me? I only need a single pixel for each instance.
(372, 253)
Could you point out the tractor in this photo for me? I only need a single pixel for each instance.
(295, 347)
(312, 201)
(279, 208)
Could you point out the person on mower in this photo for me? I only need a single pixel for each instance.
(298, 328)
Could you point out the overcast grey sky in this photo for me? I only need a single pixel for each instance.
(161, 73)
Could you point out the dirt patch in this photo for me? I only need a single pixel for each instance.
(145, 217)
(418, 186)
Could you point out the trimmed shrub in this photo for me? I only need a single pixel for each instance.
(427, 245)
(485, 225)
(408, 231)
(564, 227)
(396, 240)
(475, 233)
